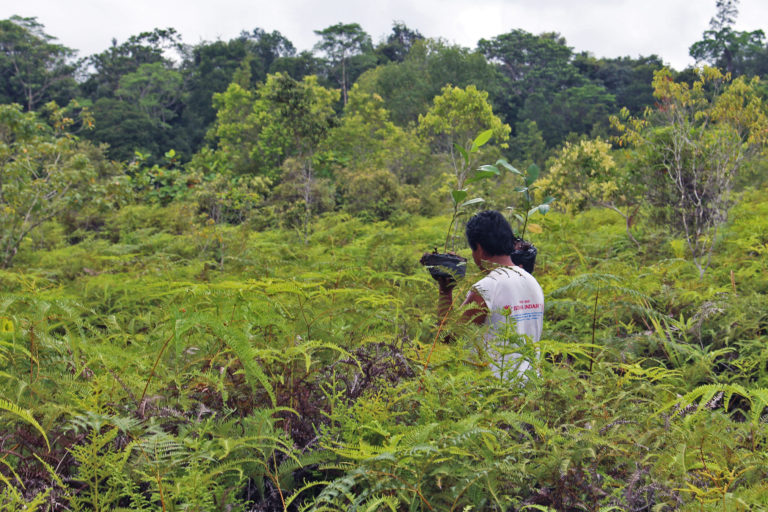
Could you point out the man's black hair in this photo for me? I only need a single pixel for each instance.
(491, 230)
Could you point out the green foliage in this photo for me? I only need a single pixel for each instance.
(298, 379)
(527, 146)
(627, 79)
(257, 130)
(461, 172)
(539, 82)
(34, 69)
(366, 138)
(154, 89)
(458, 125)
(698, 138)
(375, 192)
(586, 174)
(527, 191)
(457, 116)
(44, 174)
(11, 408)
(250, 329)
(349, 51)
(398, 43)
(408, 87)
(734, 51)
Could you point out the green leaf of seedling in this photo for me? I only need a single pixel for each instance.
(462, 152)
(458, 196)
(519, 217)
(533, 210)
(532, 174)
(471, 202)
(481, 139)
(543, 208)
(508, 167)
(533, 171)
(490, 168)
(482, 175)
(521, 189)
(548, 200)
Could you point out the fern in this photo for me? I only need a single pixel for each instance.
(24, 415)
(238, 342)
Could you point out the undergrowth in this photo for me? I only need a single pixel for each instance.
(151, 366)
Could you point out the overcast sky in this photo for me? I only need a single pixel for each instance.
(606, 28)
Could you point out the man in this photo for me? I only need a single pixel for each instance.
(506, 296)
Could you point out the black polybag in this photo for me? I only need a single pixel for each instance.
(524, 255)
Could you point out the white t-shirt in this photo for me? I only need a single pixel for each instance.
(512, 295)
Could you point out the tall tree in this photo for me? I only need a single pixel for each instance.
(367, 139)
(541, 83)
(154, 89)
(341, 43)
(267, 47)
(209, 68)
(627, 79)
(109, 66)
(298, 66)
(33, 68)
(457, 116)
(530, 62)
(408, 87)
(125, 128)
(398, 43)
(137, 92)
(731, 50)
(295, 116)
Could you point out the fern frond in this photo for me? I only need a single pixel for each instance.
(290, 499)
(13, 472)
(238, 342)
(759, 403)
(24, 415)
(374, 504)
(519, 419)
(286, 468)
(52, 472)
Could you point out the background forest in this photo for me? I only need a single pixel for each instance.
(210, 296)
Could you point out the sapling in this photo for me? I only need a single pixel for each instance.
(527, 191)
(449, 264)
(524, 253)
(462, 163)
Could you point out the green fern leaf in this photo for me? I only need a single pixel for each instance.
(24, 415)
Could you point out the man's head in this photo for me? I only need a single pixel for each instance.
(491, 232)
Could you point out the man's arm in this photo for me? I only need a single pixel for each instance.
(445, 297)
(477, 310)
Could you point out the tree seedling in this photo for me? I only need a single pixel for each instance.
(449, 264)
(528, 206)
(462, 163)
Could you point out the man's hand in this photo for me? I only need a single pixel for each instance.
(441, 271)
